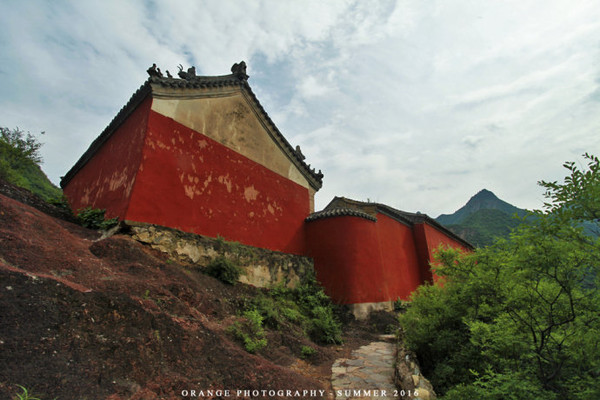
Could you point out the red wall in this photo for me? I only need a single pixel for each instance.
(190, 182)
(428, 240)
(362, 261)
(346, 254)
(107, 179)
(398, 258)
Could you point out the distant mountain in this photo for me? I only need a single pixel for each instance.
(481, 201)
(484, 218)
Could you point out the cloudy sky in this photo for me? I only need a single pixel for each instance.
(415, 104)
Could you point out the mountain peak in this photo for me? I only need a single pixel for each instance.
(484, 193)
(484, 199)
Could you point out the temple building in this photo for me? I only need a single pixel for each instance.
(200, 154)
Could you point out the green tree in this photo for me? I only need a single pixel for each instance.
(17, 147)
(519, 319)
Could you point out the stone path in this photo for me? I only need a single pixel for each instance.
(368, 374)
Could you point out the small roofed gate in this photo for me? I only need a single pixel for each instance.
(199, 154)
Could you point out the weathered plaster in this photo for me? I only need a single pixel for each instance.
(215, 191)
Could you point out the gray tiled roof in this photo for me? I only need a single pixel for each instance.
(343, 206)
(339, 212)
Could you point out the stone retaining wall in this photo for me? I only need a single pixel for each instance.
(410, 382)
(262, 268)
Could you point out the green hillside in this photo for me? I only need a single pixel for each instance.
(19, 163)
(31, 177)
(484, 226)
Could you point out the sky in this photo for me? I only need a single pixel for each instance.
(415, 104)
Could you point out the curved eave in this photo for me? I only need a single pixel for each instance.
(339, 212)
(419, 218)
(404, 217)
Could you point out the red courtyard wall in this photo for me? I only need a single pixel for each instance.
(398, 258)
(191, 182)
(362, 261)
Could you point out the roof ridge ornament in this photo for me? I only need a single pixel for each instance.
(239, 70)
(153, 71)
(190, 74)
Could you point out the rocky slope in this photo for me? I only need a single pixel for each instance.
(88, 318)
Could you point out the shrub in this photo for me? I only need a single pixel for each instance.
(93, 218)
(61, 202)
(308, 351)
(306, 306)
(278, 307)
(519, 318)
(401, 305)
(224, 270)
(250, 332)
(324, 326)
(20, 163)
(17, 147)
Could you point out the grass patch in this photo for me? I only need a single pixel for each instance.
(24, 395)
(308, 352)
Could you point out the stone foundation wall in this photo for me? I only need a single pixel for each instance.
(262, 268)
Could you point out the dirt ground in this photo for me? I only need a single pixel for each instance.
(88, 318)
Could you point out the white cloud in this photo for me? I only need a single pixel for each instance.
(415, 104)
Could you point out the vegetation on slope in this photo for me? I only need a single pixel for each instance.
(519, 319)
(484, 226)
(19, 163)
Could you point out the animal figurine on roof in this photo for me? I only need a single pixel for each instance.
(153, 71)
(239, 70)
(191, 72)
